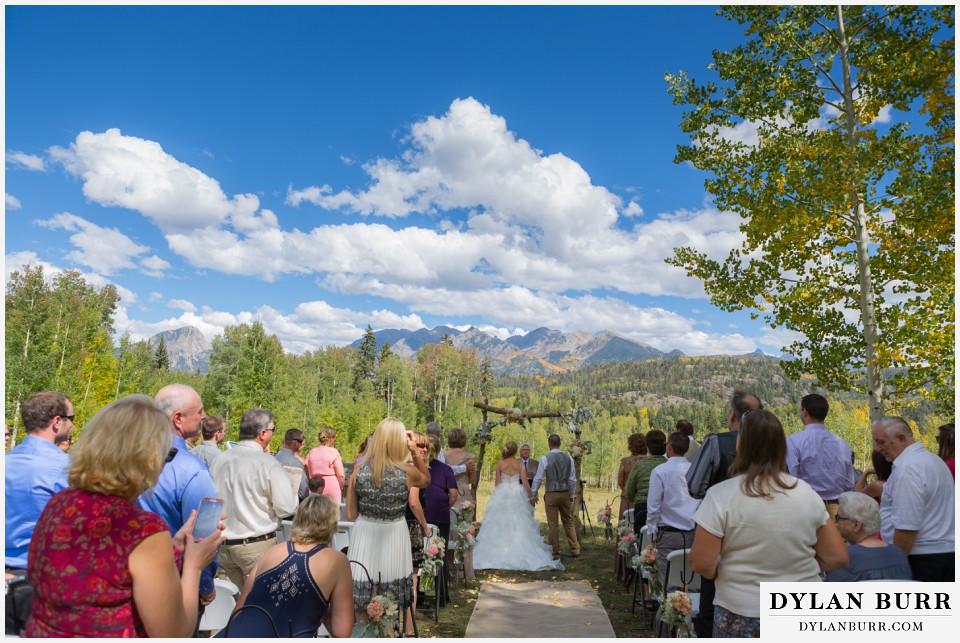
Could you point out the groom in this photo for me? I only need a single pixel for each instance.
(559, 497)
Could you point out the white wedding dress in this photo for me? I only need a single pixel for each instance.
(509, 536)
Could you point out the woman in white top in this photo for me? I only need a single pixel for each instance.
(761, 525)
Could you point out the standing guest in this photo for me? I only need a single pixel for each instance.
(761, 525)
(258, 494)
(289, 456)
(315, 485)
(870, 558)
(34, 470)
(417, 524)
(561, 492)
(213, 428)
(529, 464)
(638, 450)
(670, 508)
(945, 451)
(100, 566)
(362, 450)
(818, 457)
(466, 468)
(917, 506)
(325, 460)
(686, 427)
(376, 501)
(710, 467)
(441, 494)
(457, 457)
(185, 480)
(881, 470)
(638, 482)
(302, 583)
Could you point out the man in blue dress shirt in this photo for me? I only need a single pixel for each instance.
(185, 480)
(35, 470)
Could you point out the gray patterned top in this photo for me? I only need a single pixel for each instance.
(389, 501)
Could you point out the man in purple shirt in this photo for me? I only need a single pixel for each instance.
(818, 457)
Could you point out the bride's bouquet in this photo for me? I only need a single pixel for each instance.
(432, 562)
(466, 529)
(677, 612)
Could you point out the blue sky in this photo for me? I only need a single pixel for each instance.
(324, 168)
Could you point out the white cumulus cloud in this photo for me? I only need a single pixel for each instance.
(25, 161)
(105, 250)
(11, 202)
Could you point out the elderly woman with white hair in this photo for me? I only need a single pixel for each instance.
(858, 519)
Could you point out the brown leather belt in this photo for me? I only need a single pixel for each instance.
(251, 539)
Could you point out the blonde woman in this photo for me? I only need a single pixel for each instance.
(325, 460)
(376, 500)
(320, 589)
(99, 565)
(510, 536)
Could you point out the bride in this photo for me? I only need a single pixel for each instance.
(509, 536)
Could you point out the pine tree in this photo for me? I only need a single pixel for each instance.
(366, 361)
(161, 358)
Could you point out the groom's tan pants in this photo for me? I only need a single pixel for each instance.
(557, 505)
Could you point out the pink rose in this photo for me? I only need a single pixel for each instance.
(432, 551)
(375, 608)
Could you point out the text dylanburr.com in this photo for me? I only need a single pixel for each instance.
(858, 611)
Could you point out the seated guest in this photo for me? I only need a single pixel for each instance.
(301, 583)
(858, 519)
(100, 566)
(315, 484)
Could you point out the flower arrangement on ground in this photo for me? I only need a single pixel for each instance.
(466, 530)
(383, 614)
(677, 612)
(432, 562)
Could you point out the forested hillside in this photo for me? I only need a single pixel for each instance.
(59, 336)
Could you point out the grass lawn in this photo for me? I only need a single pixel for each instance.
(595, 565)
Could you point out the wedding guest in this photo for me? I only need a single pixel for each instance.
(881, 470)
(315, 484)
(638, 482)
(417, 524)
(945, 450)
(455, 456)
(302, 583)
(670, 508)
(100, 566)
(213, 428)
(376, 501)
(858, 520)
(760, 525)
(34, 470)
(686, 427)
(917, 506)
(289, 456)
(325, 460)
(441, 494)
(638, 450)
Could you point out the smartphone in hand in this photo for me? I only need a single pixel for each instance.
(208, 517)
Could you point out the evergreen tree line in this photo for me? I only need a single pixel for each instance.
(59, 336)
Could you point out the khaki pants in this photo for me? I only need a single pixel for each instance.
(237, 561)
(557, 505)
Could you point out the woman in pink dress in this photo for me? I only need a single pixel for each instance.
(325, 460)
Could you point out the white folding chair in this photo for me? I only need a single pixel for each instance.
(341, 539)
(433, 530)
(217, 614)
(285, 532)
(680, 575)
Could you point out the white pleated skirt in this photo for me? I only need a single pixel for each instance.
(383, 548)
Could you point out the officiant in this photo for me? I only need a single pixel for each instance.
(529, 464)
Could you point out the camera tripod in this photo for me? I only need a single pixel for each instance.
(584, 516)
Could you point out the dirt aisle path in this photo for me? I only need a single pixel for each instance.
(544, 609)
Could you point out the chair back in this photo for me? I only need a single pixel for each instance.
(217, 614)
(285, 532)
(679, 572)
(254, 622)
(628, 515)
(644, 539)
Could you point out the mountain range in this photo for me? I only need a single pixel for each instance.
(540, 351)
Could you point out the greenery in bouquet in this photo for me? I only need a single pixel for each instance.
(650, 566)
(466, 529)
(605, 518)
(677, 612)
(432, 562)
(383, 612)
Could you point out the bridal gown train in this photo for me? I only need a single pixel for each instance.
(509, 536)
